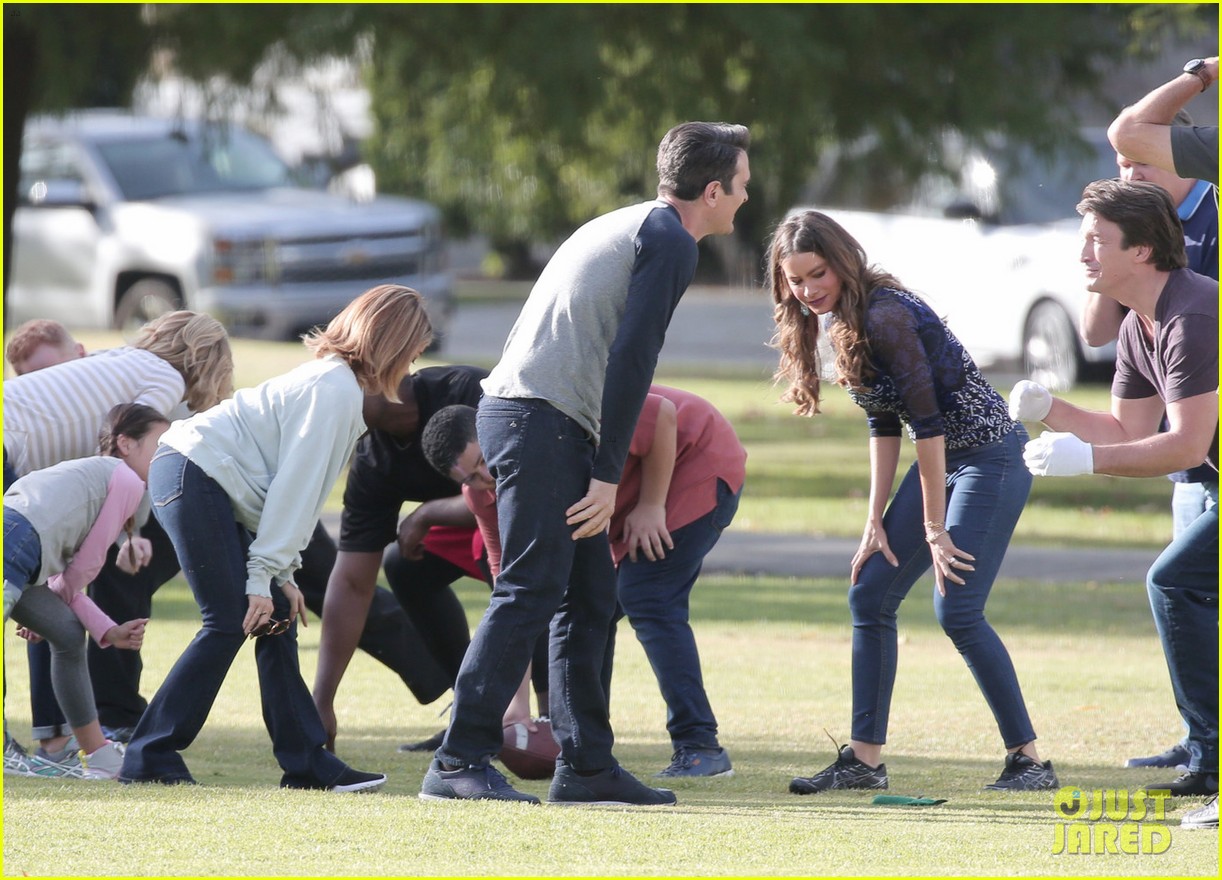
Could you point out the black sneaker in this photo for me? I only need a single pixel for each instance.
(432, 744)
(1175, 758)
(357, 780)
(481, 783)
(845, 772)
(612, 786)
(347, 782)
(1022, 773)
(1190, 784)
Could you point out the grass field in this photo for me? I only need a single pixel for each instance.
(776, 656)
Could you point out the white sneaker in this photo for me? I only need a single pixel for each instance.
(1205, 817)
(105, 763)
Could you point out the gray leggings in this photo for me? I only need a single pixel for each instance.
(47, 614)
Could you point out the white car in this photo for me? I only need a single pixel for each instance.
(121, 218)
(994, 249)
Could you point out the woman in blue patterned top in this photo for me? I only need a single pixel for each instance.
(955, 509)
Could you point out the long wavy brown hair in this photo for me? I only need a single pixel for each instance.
(797, 335)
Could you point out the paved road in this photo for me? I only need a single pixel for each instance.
(803, 556)
(708, 325)
(734, 328)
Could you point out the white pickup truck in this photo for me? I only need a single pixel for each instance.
(121, 218)
(994, 249)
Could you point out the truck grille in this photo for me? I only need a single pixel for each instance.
(368, 258)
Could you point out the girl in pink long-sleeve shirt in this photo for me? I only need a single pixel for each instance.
(59, 523)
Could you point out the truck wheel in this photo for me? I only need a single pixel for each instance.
(145, 300)
(1051, 355)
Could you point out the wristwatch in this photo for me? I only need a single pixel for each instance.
(1197, 68)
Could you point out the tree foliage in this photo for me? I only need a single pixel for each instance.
(524, 120)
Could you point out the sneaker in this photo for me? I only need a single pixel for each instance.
(479, 783)
(348, 781)
(17, 761)
(1204, 817)
(105, 763)
(1189, 784)
(432, 744)
(689, 762)
(66, 754)
(614, 785)
(357, 780)
(62, 764)
(845, 772)
(1175, 758)
(1022, 773)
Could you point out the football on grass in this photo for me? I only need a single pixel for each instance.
(530, 755)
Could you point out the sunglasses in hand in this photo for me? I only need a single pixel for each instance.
(271, 628)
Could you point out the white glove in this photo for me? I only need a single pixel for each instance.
(1053, 454)
(1029, 402)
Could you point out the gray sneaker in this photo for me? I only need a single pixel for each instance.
(17, 761)
(105, 763)
(482, 783)
(614, 785)
(1205, 817)
(690, 762)
(62, 755)
(1024, 774)
(846, 772)
(62, 764)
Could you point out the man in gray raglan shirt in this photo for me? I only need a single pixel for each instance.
(555, 425)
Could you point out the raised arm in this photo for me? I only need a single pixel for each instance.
(1142, 131)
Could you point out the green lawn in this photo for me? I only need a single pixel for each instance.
(776, 655)
(811, 476)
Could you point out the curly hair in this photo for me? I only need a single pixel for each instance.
(379, 335)
(447, 434)
(797, 335)
(198, 347)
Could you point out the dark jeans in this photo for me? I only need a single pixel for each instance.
(542, 461)
(986, 489)
(1183, 589)
(212, 547)
(655, 597)
(423, 587)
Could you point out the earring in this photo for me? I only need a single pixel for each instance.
(802, 307)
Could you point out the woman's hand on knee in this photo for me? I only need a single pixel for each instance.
(949, 561)
(873, 540)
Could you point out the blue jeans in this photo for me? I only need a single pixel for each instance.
(655, 598)
(542, 461)
(986, 489)
(22, 551)
(1188, 501)
(1183, 588)
(212, 547)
